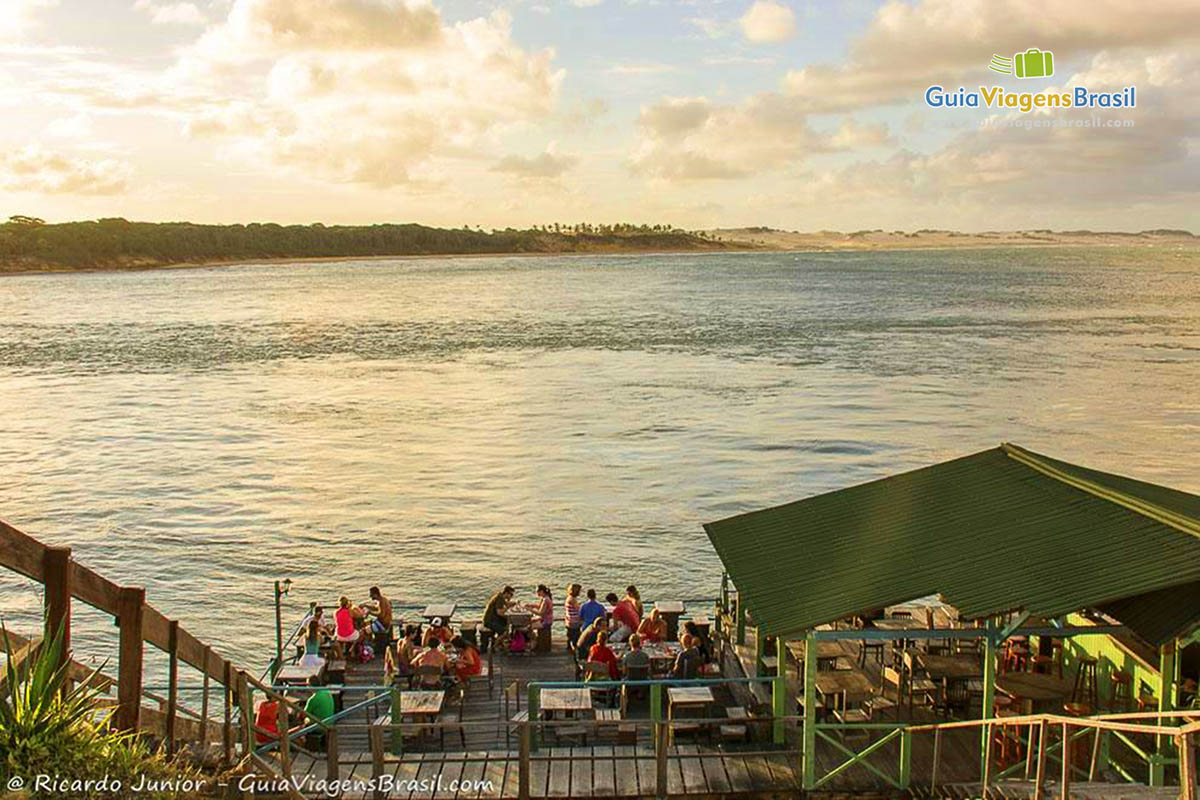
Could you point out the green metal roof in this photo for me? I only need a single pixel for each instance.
(1002, 530)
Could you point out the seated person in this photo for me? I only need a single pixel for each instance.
(319, 706)
(602, 653)
(633, 594)
(591, 610)
(495, 615)
(347, 618)
(399, 658)
(437, 631)
(312, 644)
(702, 642)
(591, 634)
(266, 718)
(687, 663)
(635, 658)
(435, 656)
(468, 662)
(625, 618)
(653, 628)
(383, 612)
(543, 609)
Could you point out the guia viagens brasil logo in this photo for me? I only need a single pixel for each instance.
(1033, 63)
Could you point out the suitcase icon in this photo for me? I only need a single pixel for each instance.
(1034, 63)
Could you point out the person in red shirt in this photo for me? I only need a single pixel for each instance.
(627, 618)
(468, 662)
(653, 628)
(603, 654)
(267, 720)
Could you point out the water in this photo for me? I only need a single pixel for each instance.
(444, 426)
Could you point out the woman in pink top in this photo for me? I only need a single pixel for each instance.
(347, 618)
(543, 609)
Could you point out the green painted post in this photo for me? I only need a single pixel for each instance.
(1166, 702)
(397, 736)
(535, 693)
(779, 699)
(741, 619)
(905, 758)
(656, 714)
(808, 756)
(989, 692)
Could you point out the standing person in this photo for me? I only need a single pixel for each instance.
(590, 610)
(312, 644)
(632, 592)
(383, 613)
(495, 615)
(626, 618)
(571, 607)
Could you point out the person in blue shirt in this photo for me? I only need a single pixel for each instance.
(590, 610)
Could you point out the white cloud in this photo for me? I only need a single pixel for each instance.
(360, 90)
(545, 166)
(768, 22)
(18, 17)
(34, 169)
(910, 46)
(642, 68)
(177, 13)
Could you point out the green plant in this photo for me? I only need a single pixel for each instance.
(50, 728)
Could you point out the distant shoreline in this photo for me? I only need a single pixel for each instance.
(718, 241)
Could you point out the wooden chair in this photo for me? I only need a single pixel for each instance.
(455, 716)
(514, 717)
(486, 676)
(1121, 691)
(735, 730)
(640, 692)
(428, 676)
(919, 686)
(892, 680)
(598, 671)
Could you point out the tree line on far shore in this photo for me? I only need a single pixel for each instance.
(28, 242)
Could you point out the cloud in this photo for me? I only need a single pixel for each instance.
(907, 47)
(545, 166)
(586, 3)
(710, 26)
(368, 91)
(768, 22)
(34, 169)
(1041, 168)
(178, 13)
(692, 138)
(18, 17)
(642, 68)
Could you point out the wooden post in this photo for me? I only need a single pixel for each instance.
(283, 724)
(375, 739)
(130, 604)
(245, 701)
(989, 692)
(1187, 767)
(1094, 769)
(1166, 702)
(204, 705)
(740, 622)
(1066, 762)
(985, 774)
(809, 751)
(662, 734)
(172, 683)
(398, 717)
(535, 694)
(56, 567)
(1040, 781)
(523, 763)
(937, 760)
(332, 756)
(227, 732)
(905, 759)
(779, 696)
(760, 649)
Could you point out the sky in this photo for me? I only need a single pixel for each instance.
(696, 113)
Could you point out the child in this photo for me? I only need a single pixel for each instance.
(574, 621)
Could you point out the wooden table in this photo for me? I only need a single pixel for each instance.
(443, 610)
(1033, 686)
(565, 700)
(671, 610)
(951, 668)
(298, 674)
(687, 697)
(850, 684)
(422, 703)
(828, 653)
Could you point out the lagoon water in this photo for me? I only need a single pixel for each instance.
(443, 426)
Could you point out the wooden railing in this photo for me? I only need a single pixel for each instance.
(64, 580)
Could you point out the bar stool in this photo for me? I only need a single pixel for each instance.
(1121, 691)
(1084, 691)
(1007, 747)
(1016, 656)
